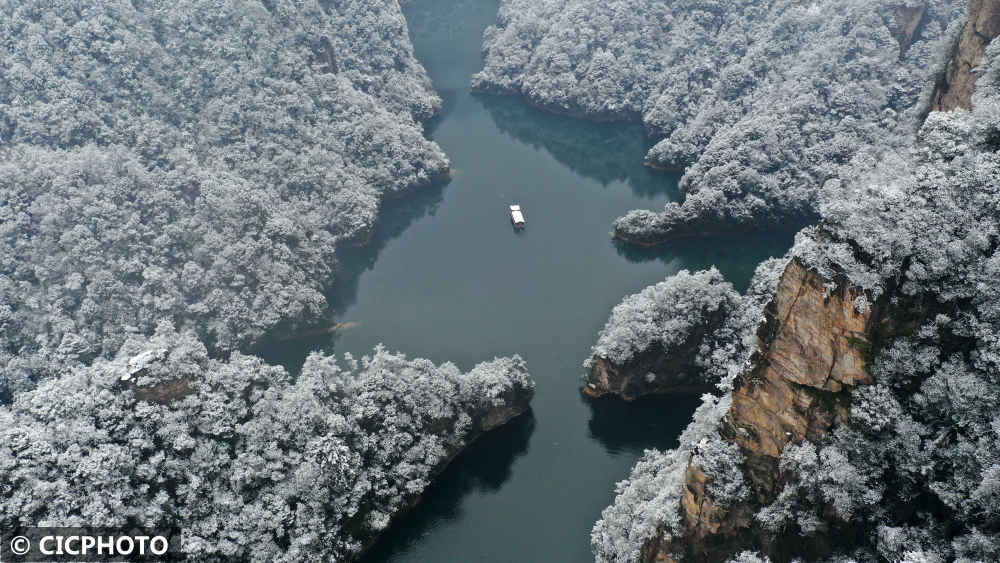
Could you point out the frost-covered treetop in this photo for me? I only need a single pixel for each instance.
(665, 314)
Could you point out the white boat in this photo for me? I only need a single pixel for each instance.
(516, 216)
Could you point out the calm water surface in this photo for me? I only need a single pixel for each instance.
(447, 278)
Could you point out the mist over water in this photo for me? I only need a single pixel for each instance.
(447, 278)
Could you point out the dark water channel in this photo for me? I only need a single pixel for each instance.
(447, 278)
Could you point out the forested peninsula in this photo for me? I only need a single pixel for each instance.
(175, 180)
(855, 416)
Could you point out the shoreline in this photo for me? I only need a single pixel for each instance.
(660, 168)
(321, 325)
(517, 411)
(628, 118)
(793, 227)
(591, 394)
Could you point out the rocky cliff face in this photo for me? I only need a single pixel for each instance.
(956, 84)
(813, 346)
(813, 349)
(904, 24)
(515, 402)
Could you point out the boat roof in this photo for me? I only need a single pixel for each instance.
(515, 207)
(517, 217)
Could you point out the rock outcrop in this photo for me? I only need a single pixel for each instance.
(905, 23)
(515, 402)
(655, 341)
(955, 85)
(813, 347)
(649, 373)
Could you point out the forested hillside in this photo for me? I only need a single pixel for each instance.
(762, 104)
(194, 161)
(907, 466)
(252, 465)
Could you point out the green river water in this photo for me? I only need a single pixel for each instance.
(447, 278)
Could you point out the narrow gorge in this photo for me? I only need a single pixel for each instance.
(256, 257)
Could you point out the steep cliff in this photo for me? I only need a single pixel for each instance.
(813, 345)
(955, 85)
(813, 351)
(512, 403)
(814, 348)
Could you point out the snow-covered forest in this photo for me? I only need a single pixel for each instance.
(665, 315)
(193, 161)
(914, 473)
(254, 465)
(762, 104)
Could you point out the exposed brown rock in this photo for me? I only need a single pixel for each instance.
(702, 517)
(954, 88)
(905, 22)
(818, 349)
(163, 393)
(813, 347)
(675, 373)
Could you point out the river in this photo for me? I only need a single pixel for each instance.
(447, 278)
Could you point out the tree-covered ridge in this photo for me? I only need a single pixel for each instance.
(195, 164)
(194, 161)
(763, 103)
(914, 473)
(253, 465)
